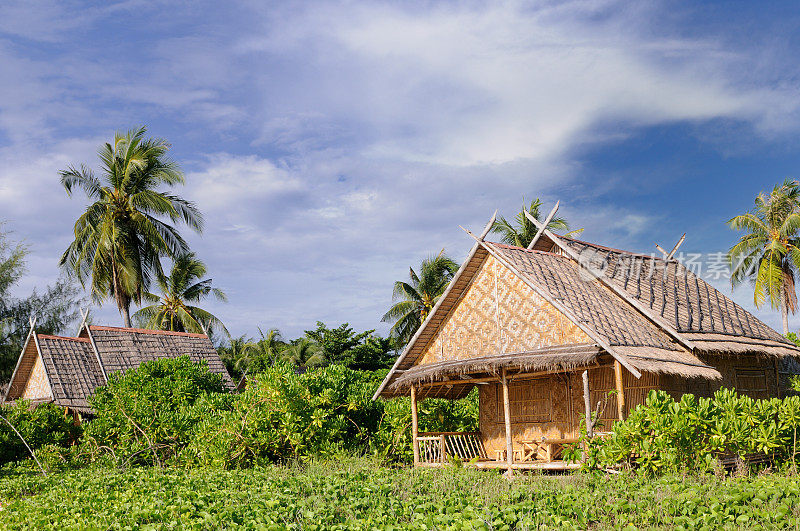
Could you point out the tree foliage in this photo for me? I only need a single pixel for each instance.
(285, 415)
(263, 353)
(172, 309)
(316, 348)
(235, 354)
(120, 237)
(55, 309)
(768, 253)
(417, 297)
(147, 414)
(356, 350)
(668, 435)
(172, 412)
(520, 231)
(43, 425)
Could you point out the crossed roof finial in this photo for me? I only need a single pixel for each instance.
(669, 255)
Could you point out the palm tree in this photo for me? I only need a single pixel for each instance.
(418, 297)
(235, 354)
(520, 231)
(769, 253)
(172, 310)
(119, 239)
(304, 354)
(264, 352)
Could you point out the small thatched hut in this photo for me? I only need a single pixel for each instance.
(67, 370)
(524, 324)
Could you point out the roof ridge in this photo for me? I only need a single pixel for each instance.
(584, 242)
(145, 331)
(518, 248)
(49, 336)
(615, 250)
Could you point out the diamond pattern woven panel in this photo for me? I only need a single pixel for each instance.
(25, 366)
(497, 314)
(587, 299)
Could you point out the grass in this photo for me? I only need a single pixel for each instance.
(355, 494)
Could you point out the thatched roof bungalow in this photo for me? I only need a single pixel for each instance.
(524, 324)
(67, 370)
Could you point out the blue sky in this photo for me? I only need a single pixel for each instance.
(332, 145)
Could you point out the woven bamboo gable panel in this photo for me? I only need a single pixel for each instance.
(37, 387)
(27, 361)
(498, 314)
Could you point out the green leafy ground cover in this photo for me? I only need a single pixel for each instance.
(356, 494)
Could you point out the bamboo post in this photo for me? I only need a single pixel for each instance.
(414, 425)
(442, 449)
(620, 390)
(587, 404)
(507, 416)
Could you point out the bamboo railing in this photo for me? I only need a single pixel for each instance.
(437, 447)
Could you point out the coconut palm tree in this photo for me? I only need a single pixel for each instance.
(304, 354)
(264, 352)
(768, 254)
(173, 309)
(417, 297)
(235, 355)
(121, 236)
(520, 231)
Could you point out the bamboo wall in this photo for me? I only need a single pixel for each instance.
(560, 394)
(748, 374)
(37, 386)
(26, 364)
(499, 314)
(552, 406)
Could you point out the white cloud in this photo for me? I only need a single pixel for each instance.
(464, 85)
(333, 145)
(226, 181)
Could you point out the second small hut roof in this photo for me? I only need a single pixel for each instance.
(76, 366)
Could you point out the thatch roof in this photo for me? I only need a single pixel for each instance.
(123, 348)
(691, 305)
(650, 314)
(546, 359)
(72, 370)
(76, 366)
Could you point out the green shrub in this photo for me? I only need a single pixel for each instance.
(147, 414)
(666, 435)
(45, 424)
(283, 415)
(173, 412)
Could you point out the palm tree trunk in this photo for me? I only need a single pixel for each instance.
(125, 310)
(784, 308)
(785, 318)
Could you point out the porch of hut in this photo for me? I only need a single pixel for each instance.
(530, 405)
